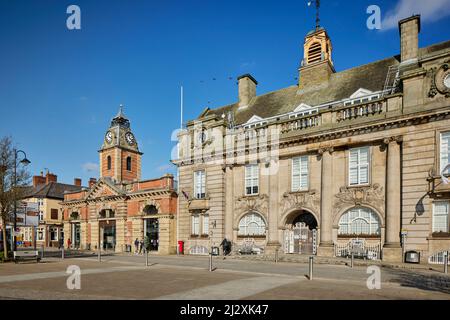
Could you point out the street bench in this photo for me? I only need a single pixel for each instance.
(26, 255)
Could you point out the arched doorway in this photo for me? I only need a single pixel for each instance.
(151, 226)
(300, 236)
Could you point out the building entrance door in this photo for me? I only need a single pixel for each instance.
(152, 232)
(76, 238)
(109, 234)
(300, 237)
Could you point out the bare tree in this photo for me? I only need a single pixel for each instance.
(10, 190)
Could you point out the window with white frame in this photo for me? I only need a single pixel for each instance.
(251, 179)
(445, 151)
(200, 224)
(300, 173)
(252, 224)
(358, 171)
(440, 216)
(359, 221)
(195, 225)
(200, 184)
(205, 225)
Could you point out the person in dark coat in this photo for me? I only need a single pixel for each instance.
(226, 246)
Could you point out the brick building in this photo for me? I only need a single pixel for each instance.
(47, 193)
(120, 207)
(342, 160)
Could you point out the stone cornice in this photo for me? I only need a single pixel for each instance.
(393, 121)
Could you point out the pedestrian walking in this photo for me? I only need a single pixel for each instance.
(141, 246)
(69, 243)
(136, 246)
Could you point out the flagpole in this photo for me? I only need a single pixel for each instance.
(178, 171)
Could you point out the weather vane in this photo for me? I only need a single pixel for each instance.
(317, 12)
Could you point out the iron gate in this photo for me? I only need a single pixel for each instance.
(300, 240)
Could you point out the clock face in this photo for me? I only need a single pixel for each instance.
(447, 81)
(202, 137)
(109, 136)
(130, 138)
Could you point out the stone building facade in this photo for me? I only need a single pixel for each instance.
(120, 207)
(342, 161)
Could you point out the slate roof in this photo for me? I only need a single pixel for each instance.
(341, 85)
(54, 190)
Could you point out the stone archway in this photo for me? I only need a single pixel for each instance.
(300, 235)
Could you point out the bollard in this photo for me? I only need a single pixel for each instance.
(276, 255)
(146, 258)
(210, 262)
(352, 258)
(446, 262)
(62, 253)
(99, 255)
(311, 261)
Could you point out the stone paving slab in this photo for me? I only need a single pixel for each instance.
(186, 278)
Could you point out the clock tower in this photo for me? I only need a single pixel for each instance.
(120, 158)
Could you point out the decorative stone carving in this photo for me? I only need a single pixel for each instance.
(149, 202)
(356, 196)
(397, 139)
(297, 200)
(258, 203)
(321, 151)
(440, 80)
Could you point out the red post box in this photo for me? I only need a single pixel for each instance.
(180, 247)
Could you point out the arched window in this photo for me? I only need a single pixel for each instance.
(360, 222)
(150, 209)
(252, 224)
(129, 163)
(108, 159)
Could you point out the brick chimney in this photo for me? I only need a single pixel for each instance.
(38, 180)
(409, 29)
(50, 177)
(247, 89)
(92, 181)
(77, 182)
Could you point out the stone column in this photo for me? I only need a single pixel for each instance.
(273, 243)
(392, 249)
(120, 235)
(326, 204)
(229, 196)
(67, 233)
(94, 235)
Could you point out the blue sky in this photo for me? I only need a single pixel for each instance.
(59, 88)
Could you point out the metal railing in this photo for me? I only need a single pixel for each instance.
(438, 257)
(370, 251)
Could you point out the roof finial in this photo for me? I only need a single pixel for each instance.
(120, 114)
(317, 13)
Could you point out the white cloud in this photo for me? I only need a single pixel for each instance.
(430, 10)
(90, 166)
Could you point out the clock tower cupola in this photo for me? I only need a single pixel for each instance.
(120, 158)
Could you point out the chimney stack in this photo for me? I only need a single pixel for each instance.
(92, 181)
(50, 177)
(38, 180)
(77, 182)
(409, 29)
(247, 89)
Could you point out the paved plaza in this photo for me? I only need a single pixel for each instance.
(188, 278)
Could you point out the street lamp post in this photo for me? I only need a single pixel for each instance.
(25, 162)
